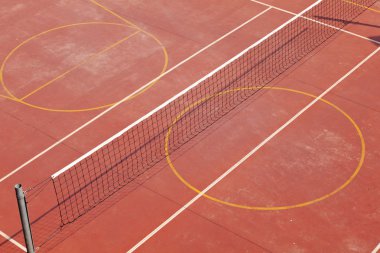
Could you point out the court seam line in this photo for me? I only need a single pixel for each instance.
(316, 21)
(231, 169)
(87, 60)
(10, 239)
(376, 249)
(135, 92)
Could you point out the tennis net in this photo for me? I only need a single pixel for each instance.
(92, 178)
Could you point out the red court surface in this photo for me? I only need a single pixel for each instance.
(293, 169)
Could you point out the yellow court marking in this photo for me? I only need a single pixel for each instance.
(363, 6)
(87, 60)
(14, 98)
(36, 36)
(266, 208)
(113, 13)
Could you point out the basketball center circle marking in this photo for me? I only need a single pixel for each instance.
(16, 99)
(266, 208)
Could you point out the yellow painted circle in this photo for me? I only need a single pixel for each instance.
(266, 208)
(16, 99)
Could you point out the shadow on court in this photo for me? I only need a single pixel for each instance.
(376, 38)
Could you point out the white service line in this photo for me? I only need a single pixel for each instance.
(377, 249)
(132, 94)
(225, 174)
(12, 240)
(316, 21)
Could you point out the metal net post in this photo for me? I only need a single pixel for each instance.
(24, 216)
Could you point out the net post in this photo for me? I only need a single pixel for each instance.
(24, 217)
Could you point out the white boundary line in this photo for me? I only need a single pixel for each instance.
(132, 94)
(225, 174)
(12, 240)
(377, 249)
(182, 92)
(316, 21)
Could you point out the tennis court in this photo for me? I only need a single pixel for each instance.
(190, 126)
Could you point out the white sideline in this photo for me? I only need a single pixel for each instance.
(199, 195)
(12, 240)
(132, 94)
(316, 21)
(377, 249)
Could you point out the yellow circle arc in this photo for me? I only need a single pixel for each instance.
(12, 97)
(267, 208)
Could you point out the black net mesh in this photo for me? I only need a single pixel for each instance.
(98, 176)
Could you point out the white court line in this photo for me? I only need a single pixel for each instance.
(377, 249)
(132, 94)
(225, 174)
(316, 21)
(12, 240)
(67, 167)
